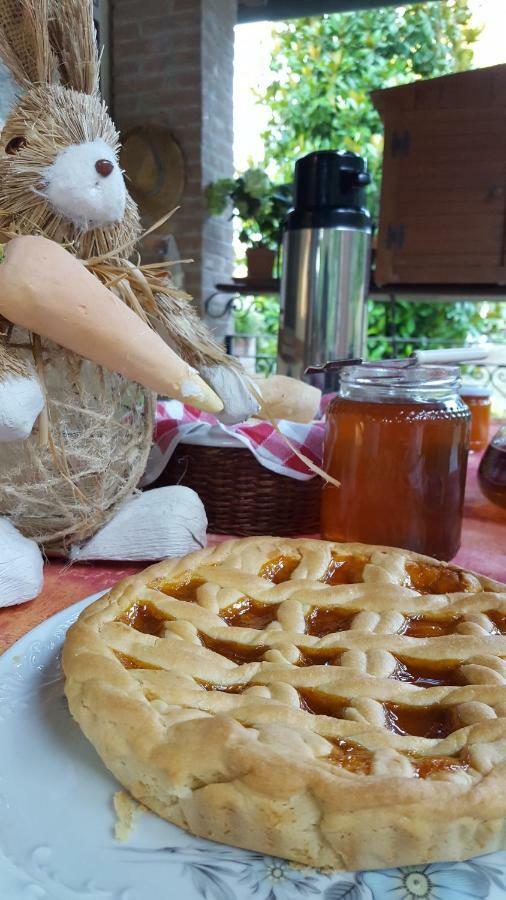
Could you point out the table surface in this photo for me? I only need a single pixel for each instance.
(483, 549)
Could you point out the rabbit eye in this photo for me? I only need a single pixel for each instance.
(15, 145)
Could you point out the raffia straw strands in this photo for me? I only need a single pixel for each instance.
(99, 438)
(11, 364)
(24, 40)
(167, 264)
(119, 250)
(73, 38)
(39, 365)
(47, 40)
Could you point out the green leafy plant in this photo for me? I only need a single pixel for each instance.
(399, 329)
(256, 202)
(260, 316)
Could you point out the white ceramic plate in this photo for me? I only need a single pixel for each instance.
(56, 819)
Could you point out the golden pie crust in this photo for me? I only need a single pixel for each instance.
(340, 705)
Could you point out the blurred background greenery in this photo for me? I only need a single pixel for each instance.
(322, 70)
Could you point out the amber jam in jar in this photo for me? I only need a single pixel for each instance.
(478, 399)
(397, 439)
(492, 470)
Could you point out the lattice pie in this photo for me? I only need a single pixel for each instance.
(340, 705)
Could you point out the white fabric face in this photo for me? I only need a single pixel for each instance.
(21, 401)
(167, 521)
(77, 191)
(21, 566)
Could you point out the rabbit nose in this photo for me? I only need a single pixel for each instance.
(104, 167)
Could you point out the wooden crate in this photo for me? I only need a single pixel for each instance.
(442, 214)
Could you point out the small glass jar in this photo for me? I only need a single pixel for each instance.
(478, 399)
(397, 439)
(492, 469)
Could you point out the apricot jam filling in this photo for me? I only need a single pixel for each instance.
(321, 704)
(430, 626)
(238, 653)
(355, 758)
(345, 570)
(144, 617)
(279, 569)
(499, 620)
(419, 721)
(321, 621)
(428, 579)
(248, 613)
(223, 688)
(427, 765)
(130, 662)
(427, 673)
(185, 589)
(315, 657)
(350, 756)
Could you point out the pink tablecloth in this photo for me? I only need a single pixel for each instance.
(483, 550)
(483, 545)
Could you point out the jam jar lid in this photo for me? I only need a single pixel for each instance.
(383, 381)
(474, 390)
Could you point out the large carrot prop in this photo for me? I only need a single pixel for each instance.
(46, 290)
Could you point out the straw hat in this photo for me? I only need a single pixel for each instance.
(154, 168)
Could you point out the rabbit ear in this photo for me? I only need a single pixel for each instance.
(73, 40)
(24, 40)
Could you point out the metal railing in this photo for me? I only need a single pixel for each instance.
(490, 376)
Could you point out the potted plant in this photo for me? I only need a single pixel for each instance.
(261, 207)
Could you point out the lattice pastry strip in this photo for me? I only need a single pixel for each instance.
(337, 671)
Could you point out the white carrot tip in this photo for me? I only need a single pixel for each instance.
(196, 392)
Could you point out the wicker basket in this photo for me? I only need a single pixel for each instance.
(240, 496)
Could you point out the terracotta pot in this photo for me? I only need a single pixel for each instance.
(260, 263)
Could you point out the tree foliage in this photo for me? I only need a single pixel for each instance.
(325, 67)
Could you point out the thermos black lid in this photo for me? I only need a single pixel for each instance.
(330, 191)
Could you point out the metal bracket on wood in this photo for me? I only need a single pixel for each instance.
(400, 143)
(395, 237)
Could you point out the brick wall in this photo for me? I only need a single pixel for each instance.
(172, 63)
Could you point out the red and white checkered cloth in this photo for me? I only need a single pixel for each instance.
(176, 422)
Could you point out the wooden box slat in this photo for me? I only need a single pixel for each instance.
(443, 198)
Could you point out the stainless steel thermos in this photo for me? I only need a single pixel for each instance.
(326, 264)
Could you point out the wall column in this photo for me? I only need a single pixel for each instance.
(172, 64)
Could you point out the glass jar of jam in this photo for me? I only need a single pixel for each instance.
(397, 439)
(492, 469)
(478, 399)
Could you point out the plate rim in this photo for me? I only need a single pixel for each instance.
(55, 617)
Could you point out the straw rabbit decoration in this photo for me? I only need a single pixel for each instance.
(77, 411)
(64, 477)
